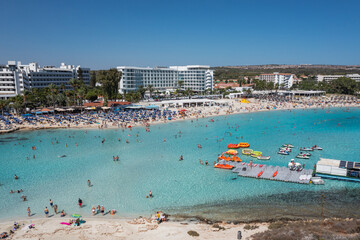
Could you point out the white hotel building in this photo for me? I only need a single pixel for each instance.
(15, 78)
(285, 79)
(328, 78)
(195, 77)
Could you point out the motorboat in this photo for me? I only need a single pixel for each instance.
(303, 156)
(283, 153)
(285, 149)
(263, 157)
(295, 166)
(288, 145)
(317, 148)
(317, 181)
(305, 153)
(306, 149)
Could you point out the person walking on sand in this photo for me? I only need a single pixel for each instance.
(29, 211)
(46, 211)
(80, 202)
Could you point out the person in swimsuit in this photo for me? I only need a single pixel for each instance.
(16, 177)
(80, 202)
(46, 211)
(102, 210)
(51, 203)
(29, 211)
(93, 210)
(89, 183)
(150, 194)
(55, 208)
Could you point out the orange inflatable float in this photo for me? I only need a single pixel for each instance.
(236, 159)
(223, 166)
(244, 145)
(240, 145)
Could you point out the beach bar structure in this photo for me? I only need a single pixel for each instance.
(338, 169)
(186, 103)
(283, 174)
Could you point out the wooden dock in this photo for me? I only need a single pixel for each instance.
(284, 174)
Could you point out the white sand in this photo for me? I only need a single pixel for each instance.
(123, 229)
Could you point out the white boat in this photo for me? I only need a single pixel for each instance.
(288, 145)
(294, 166)
(305, 153)
(302, 156)
(263, 157)
(317, 181)
(317, 148)
(283, 153)
(306, 149)
(285, 149)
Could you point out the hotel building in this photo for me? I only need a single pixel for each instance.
(283, 79)
(15, 78)
(195, 77)
(328, 78)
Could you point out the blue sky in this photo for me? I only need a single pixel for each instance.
(104, 34)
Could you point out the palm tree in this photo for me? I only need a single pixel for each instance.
(53, 91)
(75, 84)
(150, 88)
(180, 83)
(3, 105)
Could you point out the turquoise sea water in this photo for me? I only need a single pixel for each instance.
(181, 187)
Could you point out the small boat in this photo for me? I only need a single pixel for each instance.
(317, 148)
(303, 156)
(263, 157)
(275, 173)
(62, 156)
(260, 173)
(283, 153)
(288, 145)
(305, 153)
(306, 149)
(285, 149)
(223, 166)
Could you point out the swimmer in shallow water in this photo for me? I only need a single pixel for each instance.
(181, 158)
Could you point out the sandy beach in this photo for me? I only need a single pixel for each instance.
(227, 107)
(127, 229)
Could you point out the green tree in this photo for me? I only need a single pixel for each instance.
(344, 85)
(92, 79)
(142, 91)
(109, 80)
(91, 96)
(3, 105)
(53, 90)
(180, 84)
(80, 75)
(150, 88)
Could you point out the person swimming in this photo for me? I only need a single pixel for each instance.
(16, 177)
(181, 158)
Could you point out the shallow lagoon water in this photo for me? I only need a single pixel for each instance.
(182, 187)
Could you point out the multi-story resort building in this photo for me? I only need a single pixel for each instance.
(15, 78)
(328, 78)
(283, 79)
(195, 77)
